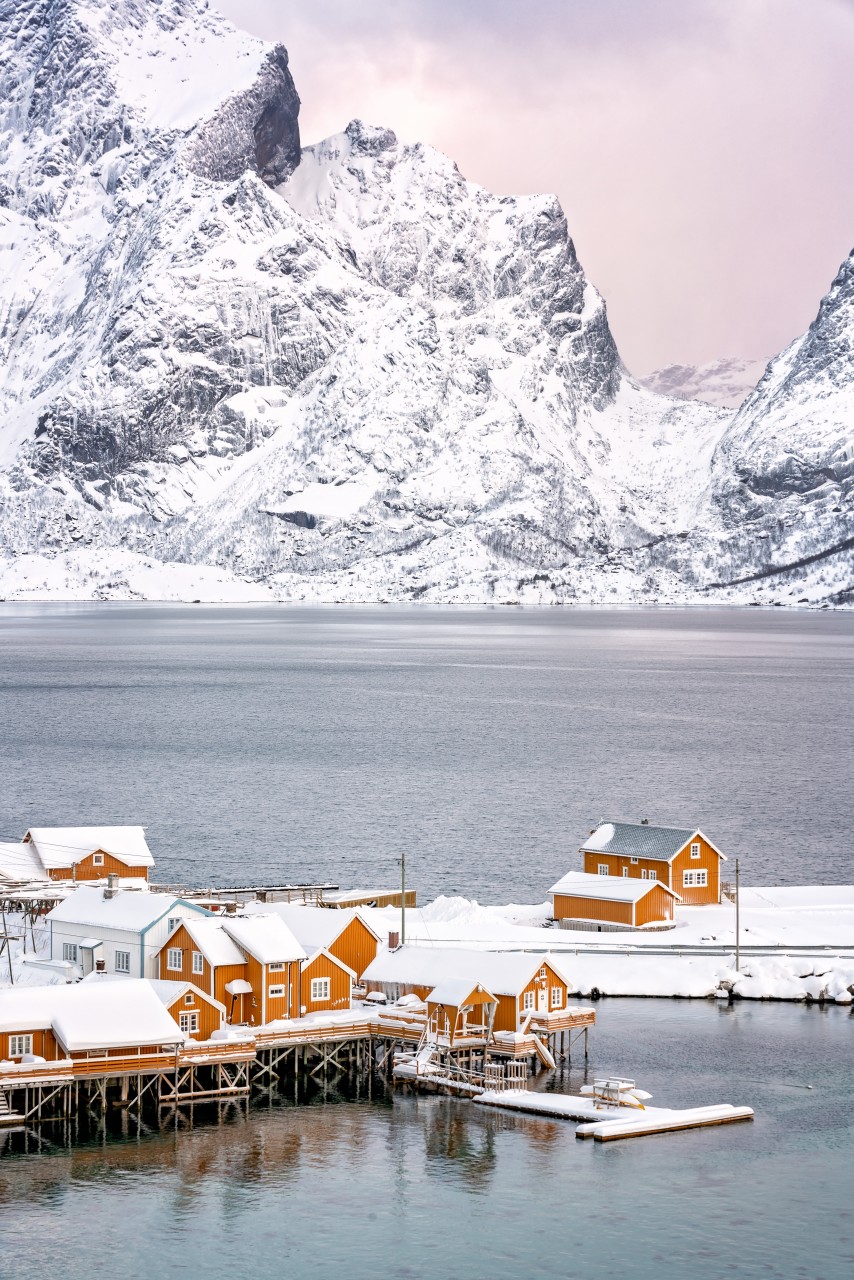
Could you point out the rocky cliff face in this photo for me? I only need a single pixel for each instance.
(338, 373)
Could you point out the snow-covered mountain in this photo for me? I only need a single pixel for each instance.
(726, 382)
(230, 368)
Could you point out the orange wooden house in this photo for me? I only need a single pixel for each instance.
(597, 902)
(251, 964)
(681, 858)
(344, 934)
(459, 1008)
(525, 986)
(113, 1018)
(326, 984)
(91, 853)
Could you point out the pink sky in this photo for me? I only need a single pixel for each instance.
(700, 148)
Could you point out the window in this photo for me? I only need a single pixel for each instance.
(543, 972)
(695, 879)
(557, 998)
(276, 993)
(653, 875)
(175, 958)
(644, 874)
(625, 872)
(277, 966)
(188, 1022)
(695, 851)
(173, 922)
(188, 998)
(19, 1045)
(320, 988)
(528, 1000)
(69, 951)
(603, 870)
(122, 962)
(634, 862)
(198, 962)
(97, 859)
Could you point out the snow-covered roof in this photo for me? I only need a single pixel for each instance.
(64, 846)
(20, 861)
(504, 973)
(584, 884)
(92, 1015)
(131, 909)
(638, 840)
(454, 992)
(313, 927)
(168, 991)
(266, 937)
(213, 941)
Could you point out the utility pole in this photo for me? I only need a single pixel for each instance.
(737, 922)
(403, 899)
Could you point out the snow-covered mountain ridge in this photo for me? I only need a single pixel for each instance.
(230, 368)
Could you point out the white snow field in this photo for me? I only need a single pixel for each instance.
(232, 368)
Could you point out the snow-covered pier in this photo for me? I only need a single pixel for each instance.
(610, 1124)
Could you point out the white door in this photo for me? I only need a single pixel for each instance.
(542, 1000)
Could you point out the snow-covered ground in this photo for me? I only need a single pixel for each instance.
(797, 943)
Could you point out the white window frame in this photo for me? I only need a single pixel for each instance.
(276, 966)
(172, 923)
(19, 1045)
(644, 873)
(321, 988)
(556, 998)
(97, 859)
(625, 873)
(527, 1001)
(189, 1022)
(189, 998)
(604, 869)
(634, 862)
(695, 879)
(653, 875)
(275, 993)
(69, 952)
(173, 965)
(122, 959)
(695, 851)
(198, 962)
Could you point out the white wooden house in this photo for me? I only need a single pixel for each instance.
(123, 927)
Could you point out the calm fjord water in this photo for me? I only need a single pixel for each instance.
(264, 744)
(282, 743)
(441, 1188)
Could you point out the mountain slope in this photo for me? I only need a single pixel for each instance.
(233, 368)
(726, 382)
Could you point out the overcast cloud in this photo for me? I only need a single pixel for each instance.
(701, 148)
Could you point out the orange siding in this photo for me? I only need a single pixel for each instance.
(86, 869)
(223, 974)
(44, 1044)
(182, 939)
(339, 985)
(210, 1018)
(657, 905)
(511, 1011)
(574, 907)
(615, 865)
(277, 1006)
(355, 946)
(707, 861)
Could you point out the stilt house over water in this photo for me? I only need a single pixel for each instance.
(344, 934)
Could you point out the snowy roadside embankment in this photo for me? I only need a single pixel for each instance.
(694, 960)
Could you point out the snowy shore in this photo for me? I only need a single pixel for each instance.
(797, 943)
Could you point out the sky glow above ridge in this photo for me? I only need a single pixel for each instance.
(700, 148)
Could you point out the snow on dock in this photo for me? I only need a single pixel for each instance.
(607, 1124)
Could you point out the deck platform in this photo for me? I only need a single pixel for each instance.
(608, 1124)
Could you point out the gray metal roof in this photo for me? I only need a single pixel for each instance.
(638, 840)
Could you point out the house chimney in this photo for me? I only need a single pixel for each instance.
(100, 966)
(112, 885)
(393, 940)
(231, 908)
(644, 822)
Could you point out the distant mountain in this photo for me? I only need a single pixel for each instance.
(725, 383)
(232, 367)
